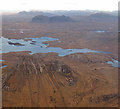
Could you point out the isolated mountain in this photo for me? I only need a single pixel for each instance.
(101, 15)
(42, 18)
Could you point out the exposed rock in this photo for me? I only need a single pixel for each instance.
(16, 44)
(34, 65)
(103, 98)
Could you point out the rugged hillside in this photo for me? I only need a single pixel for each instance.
(34, 82)
(48, 80)
(42, 19)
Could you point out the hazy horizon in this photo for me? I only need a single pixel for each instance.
(4, 12)
(52, 5)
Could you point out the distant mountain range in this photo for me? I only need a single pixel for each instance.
(65, 12)
(41, 19)
(34, 13)
(69, 16)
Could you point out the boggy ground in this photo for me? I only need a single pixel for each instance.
(76, 80)
(49, 80)
(80, 34)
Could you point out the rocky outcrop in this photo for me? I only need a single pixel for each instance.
(16, 44)
(103, 98)
(39, 80)
(36, 79)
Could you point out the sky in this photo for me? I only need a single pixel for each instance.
(27, 5)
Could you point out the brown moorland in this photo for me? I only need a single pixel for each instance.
(47, 80)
